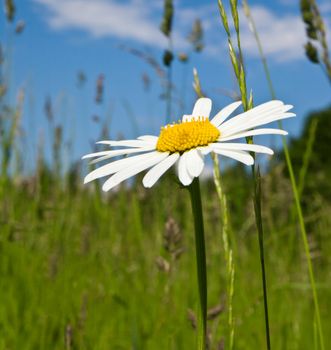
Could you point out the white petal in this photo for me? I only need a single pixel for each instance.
(117, 165)
(120, 152)
(187, 117)
(241, 156)
(117, 152)
(202, 108)
(158, 170)
(257, 116)
(127, 143)
(254, 123)
(204, 150)
(253, 133)
(224, 113)
(96, 154)
(100, 159)
(194, 162)
(242, 147)
(133, 170)
(256, 112)
(184, 177)
(148, 138)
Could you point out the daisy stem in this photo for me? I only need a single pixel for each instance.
(195, 195)
(296, 189)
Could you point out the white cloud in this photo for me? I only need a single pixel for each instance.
(282, 36)
(100, 18)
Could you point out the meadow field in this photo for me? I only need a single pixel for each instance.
(85, 269)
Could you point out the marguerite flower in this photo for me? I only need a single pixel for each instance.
(187, 142)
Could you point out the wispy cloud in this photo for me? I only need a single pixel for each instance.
(100, 18)
(282, 36)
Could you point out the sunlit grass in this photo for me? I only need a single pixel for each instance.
(83, 263)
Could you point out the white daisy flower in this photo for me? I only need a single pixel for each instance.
(187, 142)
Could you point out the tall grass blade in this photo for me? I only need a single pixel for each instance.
(307, 155)
(230, 269)
(241, 80)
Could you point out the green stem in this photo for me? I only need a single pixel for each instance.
(194, 189)
(258, 216)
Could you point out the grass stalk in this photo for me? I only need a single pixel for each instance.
(295, 189)
(168, 56)
(238, 67)
(8, 139)
(307, 155)
(227, 249)
(169, 91)
(195, 195)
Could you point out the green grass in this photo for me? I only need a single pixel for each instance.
(75, 263)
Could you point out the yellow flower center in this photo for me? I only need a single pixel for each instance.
(183, 136)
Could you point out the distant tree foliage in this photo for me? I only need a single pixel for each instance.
(319, 168)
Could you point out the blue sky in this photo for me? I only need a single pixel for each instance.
(63, 37)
